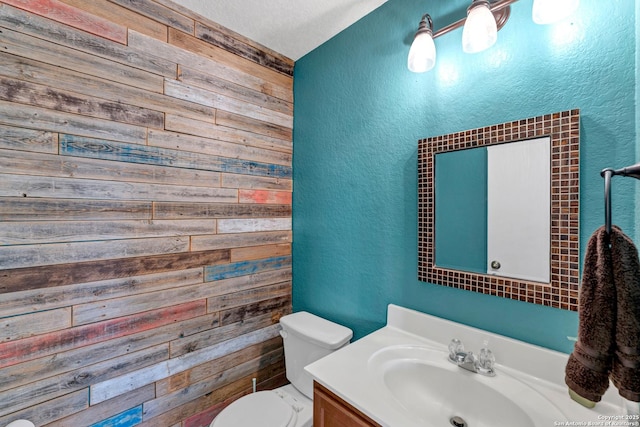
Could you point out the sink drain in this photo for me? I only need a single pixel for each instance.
(458, 422)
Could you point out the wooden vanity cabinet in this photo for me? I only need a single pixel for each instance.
(330, 410)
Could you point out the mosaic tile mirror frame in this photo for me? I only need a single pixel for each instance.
(563, 128)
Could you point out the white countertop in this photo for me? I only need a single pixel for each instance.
(347, 373)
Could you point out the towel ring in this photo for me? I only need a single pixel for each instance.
(607, 174)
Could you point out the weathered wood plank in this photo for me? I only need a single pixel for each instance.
(18, 327)
(30, 233)
(248, 67)
(207, 65)
(30, 47)
(94, 292)
(39, 72)
(112, 308)
(103, 170)
(251, 281)
(213, 36)
(225, 302)
(214, 336)
(215, 366)
(272, 130)
(259, 252)
(196, 127)
(26, 209)
(23, 279)
(123, 16)
(264, 196)
(108, 408)
(163, 210)
(130, 417)
(242, 268)
(180, 141)
(159, 13)
(252, 182)
(73, 17)
(214, 83)
(117, 386)
(48, 120)
(174, 400)
(201, 96)
(45, 96)
(277, 307)
(217, 399)
(71, 188)
(31, 348)
(18, 138)
(199, 18)
(22, 256)
(12, 162)
(24, 22)
(249, 225)
(49, 388)
(240, 240)
(109, 150)
(51, 410)
(61, 363)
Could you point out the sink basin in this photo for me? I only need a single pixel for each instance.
(423, 383)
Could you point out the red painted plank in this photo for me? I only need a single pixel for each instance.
(74, 17)
(265, 197)
(55, 342)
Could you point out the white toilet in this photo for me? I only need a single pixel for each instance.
(21, 423)
(307, 338)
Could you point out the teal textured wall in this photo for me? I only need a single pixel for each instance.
(359, 113)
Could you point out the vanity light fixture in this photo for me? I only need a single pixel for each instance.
(422, 55)
(484, 20)
(480, 30)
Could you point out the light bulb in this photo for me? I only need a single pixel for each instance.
(422, 55)
(480, 31)
(551, 11)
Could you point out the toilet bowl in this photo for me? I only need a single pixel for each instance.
(21, 423)
(282, 407)
(306, 338)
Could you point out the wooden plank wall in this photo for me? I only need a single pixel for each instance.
(145, 213)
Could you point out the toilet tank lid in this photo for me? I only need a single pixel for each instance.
(316, 329)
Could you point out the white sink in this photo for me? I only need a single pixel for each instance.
(400, 376)
(433, 390)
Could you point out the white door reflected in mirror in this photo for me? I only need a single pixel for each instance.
(518, 209)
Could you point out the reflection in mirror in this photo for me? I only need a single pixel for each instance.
(463, 258)
(492, 210)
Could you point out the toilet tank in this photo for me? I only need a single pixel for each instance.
(308, 338)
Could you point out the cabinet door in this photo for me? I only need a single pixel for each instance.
(331, 411)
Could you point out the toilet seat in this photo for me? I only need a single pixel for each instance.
(263, 408)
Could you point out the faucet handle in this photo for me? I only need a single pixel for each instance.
(486, 360)
(471, 359)
(455, 347)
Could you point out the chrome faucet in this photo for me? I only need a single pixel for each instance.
(482, 364)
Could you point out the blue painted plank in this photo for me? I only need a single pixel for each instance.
(72, 145)
(129, 418)
(243, 268)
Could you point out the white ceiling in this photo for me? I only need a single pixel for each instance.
(291, 28)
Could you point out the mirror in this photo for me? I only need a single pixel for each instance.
(444, 258)
(492, 209)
